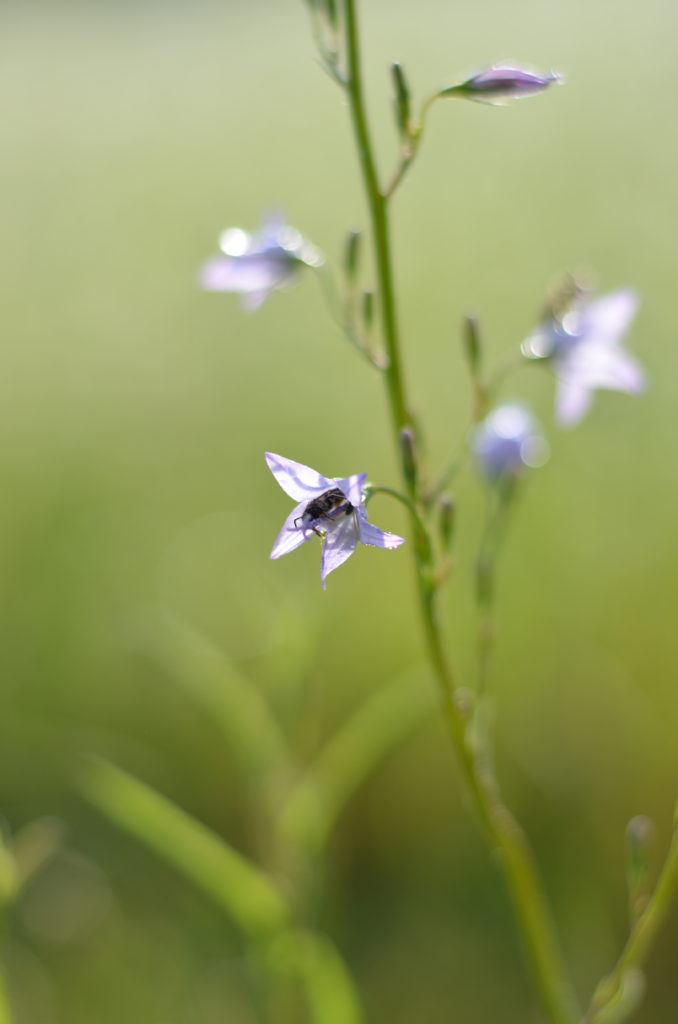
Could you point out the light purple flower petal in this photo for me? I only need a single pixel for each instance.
(258, 264)
(352, 486)
(291, 536)
(257, 272)
(597, 365)
(301, 482)
(608, 318)
(371, 534)
(340, 531)
(252, 301)
(572, 401)
(273, 227)
(583, 346)
(339, 544)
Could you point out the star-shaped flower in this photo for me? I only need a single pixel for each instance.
(257, 264)
(331, 508)
(507, 442)
(583, 346)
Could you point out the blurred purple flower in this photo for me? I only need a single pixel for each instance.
(257, 264)
(584, 348)
(502, 82)
(331, 508)
(507, 442)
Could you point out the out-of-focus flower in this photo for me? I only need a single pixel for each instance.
(583, 346)
(507, 442)
(502, 82)
(257, 264)
(331, 508)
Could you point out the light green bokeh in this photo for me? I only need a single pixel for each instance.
(134, 411)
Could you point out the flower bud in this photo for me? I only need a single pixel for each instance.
(368, 310)
(502, 82)
(447, 521)
(472, 347)
(352, 254)
(408, 454)
(507, 442)
(401, 99)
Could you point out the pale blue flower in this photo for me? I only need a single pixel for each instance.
(331, 508)
(257, 264)
(507, 442)
(502, 82)
(583, 347)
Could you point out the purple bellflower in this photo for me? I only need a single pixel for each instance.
(257, 264)
(507, 442)
(331, 508)
(583, 348)
(502, 82)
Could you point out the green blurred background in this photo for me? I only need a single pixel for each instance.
(134, 414)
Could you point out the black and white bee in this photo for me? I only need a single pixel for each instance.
(329, 505)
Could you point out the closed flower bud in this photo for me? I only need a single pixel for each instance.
(502, 82)
(507, 442)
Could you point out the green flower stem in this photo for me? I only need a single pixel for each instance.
(373, 489)
(411, 148)
(501, 829)
(378, 208)
(640, 941)
(496, 522)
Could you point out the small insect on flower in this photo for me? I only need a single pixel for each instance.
(332, 509)
(327, 506)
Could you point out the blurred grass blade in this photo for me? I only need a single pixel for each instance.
(627, 999)
(328, 986)
(232, 700)
(237, 885)
(5, 1010)
(34, 844)
(350, 756)
(8, 875)
(640, 835)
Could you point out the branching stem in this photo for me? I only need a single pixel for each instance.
(501, 829)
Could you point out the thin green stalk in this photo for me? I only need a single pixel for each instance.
(504, 833)
(640, 941)
(409, 151)
(378, 209)
(486, 565)
(502, 830)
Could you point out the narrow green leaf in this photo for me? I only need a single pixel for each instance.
(230, 698)
(328, 986)
(248, 895)
(8, 875)
(350, 756)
